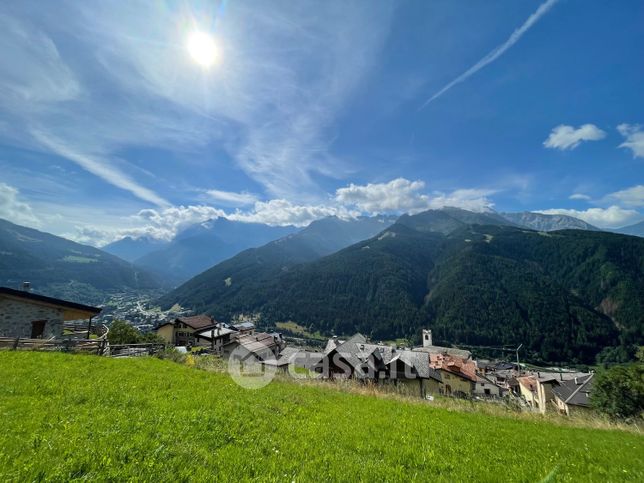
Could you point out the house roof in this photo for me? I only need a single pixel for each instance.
(258, 342)
(243, 326)
(75, 310)
(297, 356)
(356, 352)
(575, 392)
(213, 332)
(452, 351)
(417, 360)
(197, 321)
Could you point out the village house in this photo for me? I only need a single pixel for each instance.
(29, 315)
(536, 391)
(183, 331)
(295, 357)
(244, 327)
(458, 375)
(411, 370)
(215, 338)
(354, 358)
(262, 345)
(573, 396)
(484, 387)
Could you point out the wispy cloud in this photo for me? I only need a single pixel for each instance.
(565, 137)
(632, 197)
(498, 51)
(14, 209)
(634, 135)
(100, 168)
(232, 197)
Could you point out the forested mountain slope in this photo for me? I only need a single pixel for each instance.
(59, 267)
(250, 270)
(565, 294)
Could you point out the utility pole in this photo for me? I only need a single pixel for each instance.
(518, 364)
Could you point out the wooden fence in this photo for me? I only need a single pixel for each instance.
(89, 346)
(134, 350)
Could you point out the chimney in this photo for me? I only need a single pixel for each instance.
(427, 338)
(26, 286)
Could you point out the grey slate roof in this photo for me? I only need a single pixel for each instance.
(575, 392)
(419, 361)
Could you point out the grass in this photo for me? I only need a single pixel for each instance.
(297, 330)
(72, 417)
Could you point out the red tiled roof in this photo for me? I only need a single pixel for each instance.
(197, 321)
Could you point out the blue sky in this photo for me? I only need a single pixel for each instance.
(108, 126)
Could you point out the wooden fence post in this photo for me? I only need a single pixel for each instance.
(15, 344)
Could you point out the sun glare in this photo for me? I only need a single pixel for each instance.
(202, 49)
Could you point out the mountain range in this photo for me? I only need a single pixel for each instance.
(60, 267)
(636, 230)
(471, 277)
(202, 245)
(131, 249)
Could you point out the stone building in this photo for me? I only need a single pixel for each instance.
(29, 315)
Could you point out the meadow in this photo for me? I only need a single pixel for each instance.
(75, 417)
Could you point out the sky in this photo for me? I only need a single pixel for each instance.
(111, 127)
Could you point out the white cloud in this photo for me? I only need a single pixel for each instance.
(498, 51)
(579, 197)
(283, 212)
(467, 199)
(632, 197)
(567, 137)
(14, 209)
(397, 195)
(611, 217)
(634, 135)
(403, 195)
(166, 223)
(232, 197)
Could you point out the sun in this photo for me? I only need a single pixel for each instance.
(202, 49)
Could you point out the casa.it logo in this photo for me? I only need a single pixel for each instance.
(252, 370)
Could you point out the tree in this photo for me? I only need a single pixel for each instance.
(123, 333)
(619, 391)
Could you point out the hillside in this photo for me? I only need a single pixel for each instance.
(565, 295)
(247, 272)
(201, 246)
(59, 267)
(69, 417)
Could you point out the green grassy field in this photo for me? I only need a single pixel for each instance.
(68, 417)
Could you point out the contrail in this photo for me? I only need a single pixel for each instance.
(498, 51)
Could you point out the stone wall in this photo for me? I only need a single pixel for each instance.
(16, 318)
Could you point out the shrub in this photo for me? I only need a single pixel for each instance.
(619, 391)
